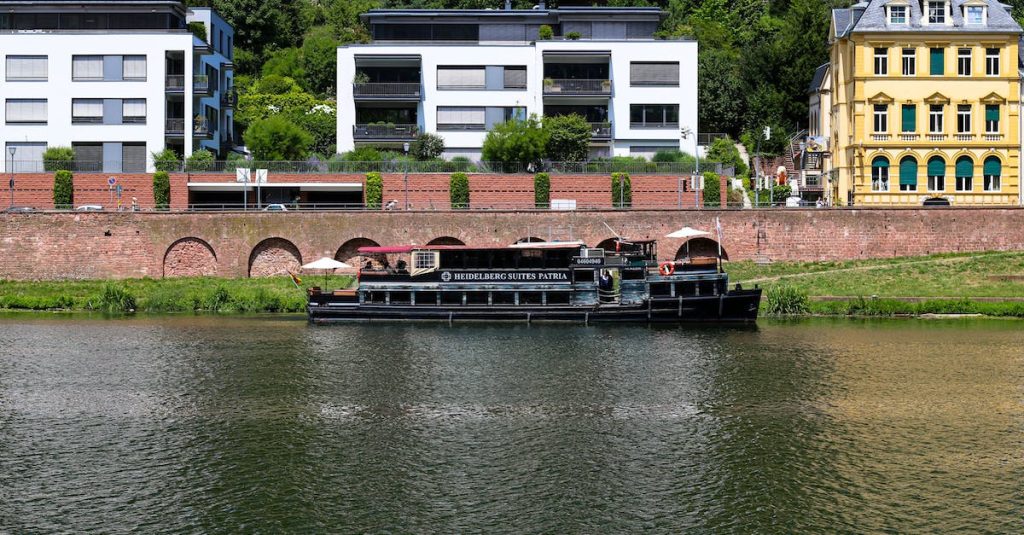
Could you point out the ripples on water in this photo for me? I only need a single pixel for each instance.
(177, 425)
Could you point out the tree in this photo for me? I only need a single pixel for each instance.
(712, 191)
(277, 139)
(458, 190)
(200, 160)
(427, 146)
(167, 160)
(724, 150)
(58, 158)
(568, 138)
(286, 63)
(63, 189)
(161, 190)
(515, 142)
(374, 191)
(542, 190)
(263, 24)
(319, 60)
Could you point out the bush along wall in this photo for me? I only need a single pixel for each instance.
(374, 191)
(622, 190)
(712, 190)
(63, 190)
(542, 190)
(161, 190)
(459, 191)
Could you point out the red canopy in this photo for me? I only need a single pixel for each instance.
(387, 250)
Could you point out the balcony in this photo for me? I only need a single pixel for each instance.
(576, 87)
(228, 98)
(201, 84)
(909, 137)
(201, 127)
(175, 127)
(384, 131)
(175, 83)
(964, 137)
(387, 90)
(993, 137)
(601, 130)
(879, 137)
(936, 137)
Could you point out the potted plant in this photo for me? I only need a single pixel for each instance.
(606, 86)
(573, 36)
(545, 32)
(360, 78)
(549, 86)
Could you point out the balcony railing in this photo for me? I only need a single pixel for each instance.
(601, 130)
(909, 137)
(175, 126)
(201, 127)
(175, 82)
(880, 137)
(228, 98)
(385, 131)
(964, 137)
(200, 83)
(568, 86)
(386, 89)
(993, 137)
(936, 137)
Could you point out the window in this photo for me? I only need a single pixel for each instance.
(974, 14)
(26, 68)
(881, 61)
(461, 78)
(664, 74)
(654, 115)
(28, 156)
(26, 111)
(515, 78)
(936, 12)
(517, 113)
(881, 118)
(964, 174)
(88, 156)
(133, 158)
(897, 14)
(909, 62)
(134, 68)
(908, 174)
(880, 174)
(936, 174)
(938, 62)
(909, 118)
(460, 118)
(87, 111)
(963, 118)
(133, 111)
(87, 68)
(424, 260)
(992, 61)
(935, 119)
(963, 61)
(992, 118)
(991, 170)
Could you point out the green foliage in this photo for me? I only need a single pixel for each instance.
(246, 63)
(314, 116)
(712, 191)
(461, 163)
(724, 150)
(263, 24)
(115, 299)
(573, 36)
(568, 138)
(198, 29)
(427, 146)
(277, 138)
(542, 190)
(58, 158)
(200, 160)
(622, 190)
(63, 189)
(459, 191)
(374, 191)
(782, 299)
(284, 63)
(319, 61)
(545, 33)
(161, 190)
(515, 142)
(276, 84)
(363, 154)
(767, 197)
(167, 160)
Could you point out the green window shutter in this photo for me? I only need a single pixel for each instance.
(992, 112)
(938, 64)
(909, 118)
(992, 166)
(908, 172)
(880, 161)
(964, 167)
(936, 167)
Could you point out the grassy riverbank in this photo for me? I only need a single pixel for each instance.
(974, 283)
(187, 294)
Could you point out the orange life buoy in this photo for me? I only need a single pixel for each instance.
(667, 268)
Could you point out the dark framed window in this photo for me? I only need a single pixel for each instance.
(654, 115)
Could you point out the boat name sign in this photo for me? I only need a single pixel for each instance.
(504, 276)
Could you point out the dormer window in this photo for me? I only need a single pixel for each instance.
(974, 15)
(897, 14)
(936, 12)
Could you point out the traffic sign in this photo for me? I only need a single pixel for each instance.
(111, 181)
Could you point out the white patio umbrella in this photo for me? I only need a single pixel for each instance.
(687, 232)
(326, 264)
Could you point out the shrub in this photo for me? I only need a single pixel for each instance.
(542, 190)
(115, 299)
(58, 159)
(63, 189)
(568, 138)
(515, 142)
(374, 191)
(712, 190)
(363, 154)
(427, 146)
(545, 33)
(785, 300)
(166, 160)
(461, 163)
(622, 190)
(573, 36)
(724, 150)
(668, 156)
(200, 160)
(277, 138)
(161, 190)
(198, 29)
(459, 191)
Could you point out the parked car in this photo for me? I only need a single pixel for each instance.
(89, 208)
(275, 208)
(19, 210)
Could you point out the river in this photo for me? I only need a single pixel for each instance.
(225, 425)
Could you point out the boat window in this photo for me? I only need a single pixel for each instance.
(584, 275)
(424, 261)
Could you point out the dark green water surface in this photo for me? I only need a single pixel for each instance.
(241, 425)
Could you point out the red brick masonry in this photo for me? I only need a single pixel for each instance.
(116, 245)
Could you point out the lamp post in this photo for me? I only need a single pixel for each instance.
(10, 184)
(687, 132)
(405, 148)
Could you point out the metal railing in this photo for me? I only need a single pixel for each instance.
(174, 126)
(228, 98)
(200, 83)
(387, 89)
(175, 82)
(384, 131)
(570, 86)
(601, 130)
(201, 127)
(705, 139)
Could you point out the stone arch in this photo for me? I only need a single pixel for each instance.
(190, 257)
(530, 239)
(274, 256)
(446, 240)
(700, 247)
(349, 253)
(607, 245)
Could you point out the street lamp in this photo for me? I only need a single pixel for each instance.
(687, 132)
(405, 148)
(10, 184)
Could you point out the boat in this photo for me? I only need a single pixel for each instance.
(535, 281)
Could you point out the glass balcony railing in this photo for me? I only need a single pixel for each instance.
(569, 86)
(385, 131)
(386, 89)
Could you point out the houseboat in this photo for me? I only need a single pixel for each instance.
(538, 281)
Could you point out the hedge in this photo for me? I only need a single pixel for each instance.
(161, 190)
(542, 190)
(63, 189)
(459, 191)
(374, 191)
(622, 190)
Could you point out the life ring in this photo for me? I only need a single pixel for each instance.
(667, 268)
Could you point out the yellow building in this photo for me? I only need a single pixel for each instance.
(925, 104)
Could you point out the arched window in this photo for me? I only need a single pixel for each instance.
(908, 174)
(880, 174)
(964, 173)
(936, 174)
(992, 169)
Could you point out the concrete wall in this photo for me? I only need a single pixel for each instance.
(119, 245)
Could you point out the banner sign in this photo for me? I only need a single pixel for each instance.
(518, 277)
(588, 260)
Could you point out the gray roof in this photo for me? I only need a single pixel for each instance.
(819, 77)
(874, 19)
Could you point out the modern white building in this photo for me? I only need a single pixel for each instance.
(116, 81)
(457, 73)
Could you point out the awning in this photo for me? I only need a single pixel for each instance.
(302, 186)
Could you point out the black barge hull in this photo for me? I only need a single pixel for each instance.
(734, 306)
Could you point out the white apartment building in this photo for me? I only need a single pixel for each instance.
(457, 73)
(116, 81)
